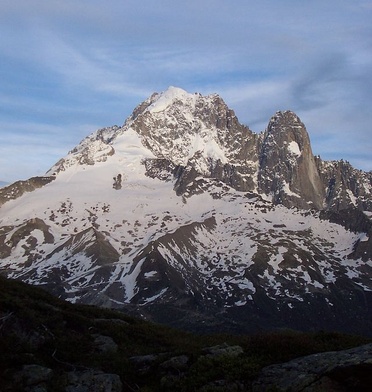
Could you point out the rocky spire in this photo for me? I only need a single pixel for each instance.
(287, 168)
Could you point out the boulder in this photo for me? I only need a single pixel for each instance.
(179, 363)
(104, 344)
(31, 378)
(93, 381)
(337, 371)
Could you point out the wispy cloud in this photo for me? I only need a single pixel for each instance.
(66, 64)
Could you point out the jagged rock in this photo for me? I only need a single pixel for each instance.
(345, 186)
(287, 165)
(159, 168)
(117, 182)
(23, 235)
(93, 381)
(95, 148)
(338, 371)
(18, 188)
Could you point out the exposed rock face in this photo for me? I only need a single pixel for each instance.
(345, 186)
(197, 135)
(338, 371)
(17, 189)
(93, 149)
(190, 123)
(287, 166)
(185, 210)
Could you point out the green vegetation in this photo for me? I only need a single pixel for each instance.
(36, 328)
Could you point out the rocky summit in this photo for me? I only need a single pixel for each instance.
(186, 217)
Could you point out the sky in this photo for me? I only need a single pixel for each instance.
(70, 67)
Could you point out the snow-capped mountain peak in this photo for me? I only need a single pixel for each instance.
(185, 209)
(167, 98)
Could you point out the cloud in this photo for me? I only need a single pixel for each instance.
(66, 64)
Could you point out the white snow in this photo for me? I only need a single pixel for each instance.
(277, 259)
(150, 274)
(352, 197)
(156, 296)
(208, 147)
(129, 281)
(166, 98)
(288, 191)
(294, 148)
(364, 237)
(38, 234)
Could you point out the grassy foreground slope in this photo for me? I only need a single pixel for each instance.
(64, 341)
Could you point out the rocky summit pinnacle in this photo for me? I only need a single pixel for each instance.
(184, 211)
(287, 165)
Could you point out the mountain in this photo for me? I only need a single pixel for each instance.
(187, 217)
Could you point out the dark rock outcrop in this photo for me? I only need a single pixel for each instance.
(18, 188)
(338, 371)
(93, 381)
(345, 186)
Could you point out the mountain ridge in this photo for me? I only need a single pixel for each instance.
(185, 210)
(186, 137)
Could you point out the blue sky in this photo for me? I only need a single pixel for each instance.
(70, 67)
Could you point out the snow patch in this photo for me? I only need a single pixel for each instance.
(208, 147)
(154, 297)
(150, 274)
(294, 148)
(129, 281)
(352, 198)
(288, 191)
(364, 237)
